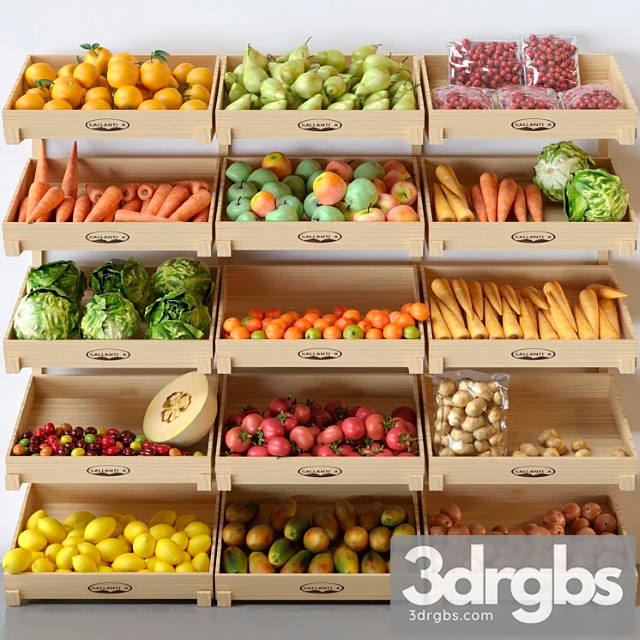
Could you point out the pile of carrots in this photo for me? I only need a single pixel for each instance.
(486, 310)
(181, 201)
(492, 199)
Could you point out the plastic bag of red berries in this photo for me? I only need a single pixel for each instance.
(590, 96)
(550, 61)
(524, 97)
(462, 98)
(484, 64)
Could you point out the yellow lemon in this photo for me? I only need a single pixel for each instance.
(185, 567)
(186, 557)
(38, 71)
(128, 562)
(198, 544)
(83, 564)
(111, 548)
(184, 520)
(197, 527)
(134, 529)
(163, 517)
(72, 541)
(168, 551)
(64, 559)
(88, 549)
(17, 560)
(181, 539)
(77, 532)
(99, 529)
(79, 519)
(32, 522)
(105, 569)
(161, 531)
(63, 571)
(151, 562)
(52, 551)
(144, 545)
(201, 562)
(52, 529)
(42, 565)
(126, 519)
(32, 540)
(163, 567)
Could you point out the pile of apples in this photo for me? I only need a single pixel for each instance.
(325, 80)
(338, 191)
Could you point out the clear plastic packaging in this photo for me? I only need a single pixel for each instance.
(527, 97)
(462, 98)
(484, 64)
(470, 418)
(591, 96)
(550, 61)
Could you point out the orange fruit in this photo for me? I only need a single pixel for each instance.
(98, 93)
(57, 105)
(155, 74)
(311, 316)
(373, 334)
(404, 320)
(365, 325)
(231, 323)
(181, 70)
(170, 98)
(38, 71)
(153, 105)
(194, 105)
(287, 319)
(117, 57)
(29, 102)
(332, 333)
(97, 104)
(392, 332)
(67, 89)
(122, 73)
(67, 70)
(240, 333)
(378, 320)
(197, 92)
(330, 318)
(201, 75)
(147, 94)
(274, 330)
(315, 312)
(98, 58)
(173, 83)
(321, 324)
(43, 92)
(406, 307)
(254, 325)
(293, 333)
(303, 324)
(343, 323)
(273, 312)
(419, 311)
(86, 75)
(103, 82)
(127, 97)
(352, 314)
(294, 314)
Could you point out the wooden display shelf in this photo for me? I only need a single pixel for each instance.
(115, 236)
(537, 354)
(584, 405)
(328, 236)
(61, 500)
(109, 124)
(561, 124)
(384, 392)
(319, 124)
(135, 353)
(301, 287)
(111, 401)
(555, 232)
(306, 587)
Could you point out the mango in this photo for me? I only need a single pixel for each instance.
(233, 560)
(234, 534)
(393, 516)
(128, 562)
(369, 518)
(380, 539)
(110, 548)
(346, 514)
(280, 551)
(259, 563)
(322, 563)
(52, 529)
(282, 513)
(316, 540)
(168, 551)
(99, 529)
(345, 560)
(296, 528)
(17, 560)
(243, 511)
(404, 529)
(323, 518)
(299, 563)
(260, 537)
(163, 517)
(201, 562)
(356, 538)
(373, 563)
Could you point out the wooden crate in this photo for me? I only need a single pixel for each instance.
(329, 236)
(89, 401)
(575, 404)
(115, 236)
(383, 391)
(301, 287)
(306, 587)
(536, 354)
(319, 124)
(135, 353)
(555, 232)
(60, 500)
(112, 124)
(561, 124)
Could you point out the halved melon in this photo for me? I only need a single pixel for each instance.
(182, 412)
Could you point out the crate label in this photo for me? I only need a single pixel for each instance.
(108, 471)
(533, 237)
(533, 472)
(533, 354)
(108, 354)
(319, 124)
(319, 472)
(533, 124)
(321, 587)
(110, 587)
(107, 237)
(320, 354)
(320, 237)
(107, 124)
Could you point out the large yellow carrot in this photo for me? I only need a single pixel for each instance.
(607, 331)
(449, 179)
(533, 311)
(443, 291)
(510, 324)
(603, 291)
(477, 298)
(509, 296)
(458, 206)
(458, 329)
(562, 324)
(492, 294)
(461, 292)
(553, 290)
(585, 332)
(443, 211)
(527, 323)
(476, 328)
(439, 327)
(545, 328)
(589, 303)
(492, 323)
(535, 296)
(608, 307)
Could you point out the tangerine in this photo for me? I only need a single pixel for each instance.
(127, 97)
(57, 105)
(201, 75)
(67, 70)
(29, 102)
(155, 74)
(38, 71)
(197, 92)
(194, 105)
(98, 58)
(181, 71)
(122, 73)
(153, 105)
(170, 98)
(67, 89)
(97, 104)
(98, 93)
(86, 75)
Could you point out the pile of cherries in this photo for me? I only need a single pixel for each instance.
(590, 97)
(484, 64)
(551, 62)
(462, 98)
(527, 98)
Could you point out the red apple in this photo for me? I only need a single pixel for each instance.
(343, 169)
(386, 202)
(396, 175)
(404, 191)
(379, 185)
(372, 214)
(403, 213)
(390, 165)
(278, 163)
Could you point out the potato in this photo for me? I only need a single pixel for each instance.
(461, 398)
(547, 434)
(456, 416)
(447, 387)
(519, 454)
(551, 452)
(579, 443)
(484, 433)
(445, 452)
(482, 446)
(557, 443)
(458, 435)
(583, 453)
(471, 424)
(481, 390)
(475, 408)
(498, 398)
(495, 439)
(529, 449)
(619, 452)
(465, 450)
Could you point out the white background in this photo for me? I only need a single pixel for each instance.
(408, 26)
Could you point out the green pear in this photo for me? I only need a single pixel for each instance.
(236, 91)
(274, 69)
(241, 190)
(229, 79)
(314, 66)
(272, 89)
(403, 74)
(326, 72)
(255, 101)
(297, 185)
(242, 103)
(253, 76)
(283, 58)
(378, 105)
(347, 97)
(261, 176)
(325, 102)
(238, 171)
(302, 53)
(381, 62)
(310, 204)
(307, 167)
(307, 85)
(334, 87)
(276, 105)
(290, 71)
(255, 56)
(401, 87)
(369, 170)
(326, 213)
(342, 106)
(294, 202)
(239, 70)
(236, 207)
(373, 80)
(312, 104)
(361, 194)
(293, 101)
(284, 213)
(355, 68)
(362, 52)
(378, 95)
(278, 189)
(407, 102)
(247, 216)
(332, 57)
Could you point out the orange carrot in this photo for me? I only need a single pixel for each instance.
(70, 179)
(51, 199)
(506, 195)
(520, 205)
(108, 204)
(133, 205)
(478, 203)
(36, 193)
(178, 195)
(81, 208)
(42, 166)
(145, 206)
(93, 191)
(158, 198)
(65, 210)
(203, 216)
(22, 212)
(534, 201)
(489, 188)
(146, 190)
(193, 185)
(130, 191)
(192, 207)
(124, 215)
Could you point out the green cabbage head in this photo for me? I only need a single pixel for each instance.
(595, 195)
(46, 314)
(109, 316)
(557, 162)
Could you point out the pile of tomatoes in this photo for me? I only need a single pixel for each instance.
(340, 323)
(291, 428)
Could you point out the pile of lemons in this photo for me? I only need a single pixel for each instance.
(84, 543)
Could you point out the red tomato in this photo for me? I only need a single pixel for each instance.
(374, 426)
(302, 412)
(353, 411)
(406, 454)
(314, 430)
(338, 311)
(321, 418)
(256, 313)
(279, 404)
(304, 455)
(355, 454)
(267, 414)
(288, 420)
(314, 406)
(251, 423)
(325, 451)
(346, 449)
(353, 428)
(303, 437)
(316, 447)
(364, 412)
(411, 428)
(258, 451)
(398, 439)
(237, 440)
(271, 428)
(366, 452)
(234, 419)
(386, 453)
(337, 408)
(279, 447)
(330, 435)
(406, 413)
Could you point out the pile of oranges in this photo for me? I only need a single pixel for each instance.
(341, 323)
(102, 81)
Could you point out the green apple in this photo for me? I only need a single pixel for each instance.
(307, 168)
(238, 171)
(237, 207)
(241, 190)
(279, 189)
(297, 186)
(369, 170)
(361, 194)
(284, 213)
(326, 213)
(294, 202)
(261, 176)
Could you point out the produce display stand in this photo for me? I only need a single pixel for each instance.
(407, 237)
(111, 124)
(586, 405)
(555, 232)
(316, 125)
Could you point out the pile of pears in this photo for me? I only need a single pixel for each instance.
(325, 80)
